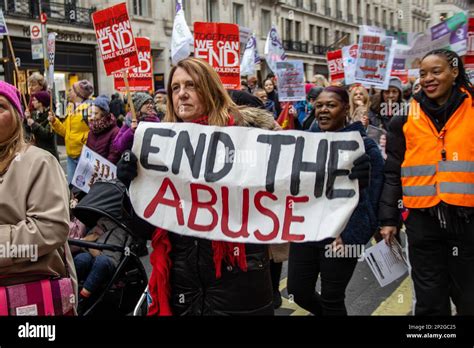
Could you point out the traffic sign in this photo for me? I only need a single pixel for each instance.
(44, 18)
(35, 32)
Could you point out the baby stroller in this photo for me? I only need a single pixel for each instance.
(123, 291)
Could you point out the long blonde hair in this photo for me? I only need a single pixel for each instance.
(12, 146)
(217, 102)
(353, 106)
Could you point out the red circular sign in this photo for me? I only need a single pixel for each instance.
(35, 31)
(44, 18)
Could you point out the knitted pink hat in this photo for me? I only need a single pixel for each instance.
(13, 96)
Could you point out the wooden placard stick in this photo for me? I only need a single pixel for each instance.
(129, 96)
(17, 72)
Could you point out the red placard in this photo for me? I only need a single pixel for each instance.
(401, 74)
(335, 65)
(469, 61)
(115, 38)
(219, 44)
(140, 79)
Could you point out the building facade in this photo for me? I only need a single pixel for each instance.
(308, 28)
(443, 9)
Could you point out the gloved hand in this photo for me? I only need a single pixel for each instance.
(127, 168)
(361, 171)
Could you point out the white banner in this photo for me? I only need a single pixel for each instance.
(181, 39)
(51, 58)
(3, 24)
(250, 57)
(274, 51)
(374, 57)
(92, 167)
(245, 184)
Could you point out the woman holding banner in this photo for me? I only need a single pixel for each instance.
(193, 276)
(430, 168)
(330, 258)
(74, 129)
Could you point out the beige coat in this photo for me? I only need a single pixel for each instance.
(34, 213)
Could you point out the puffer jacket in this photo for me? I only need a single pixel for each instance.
(194, 287)
(74, 128)
(363, 223)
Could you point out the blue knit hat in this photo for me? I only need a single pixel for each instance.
(102, 102)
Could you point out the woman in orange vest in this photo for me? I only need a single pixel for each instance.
(430, 166)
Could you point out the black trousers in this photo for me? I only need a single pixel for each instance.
(307, 261)
(442, 265)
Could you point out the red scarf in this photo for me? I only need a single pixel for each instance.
(159, 285)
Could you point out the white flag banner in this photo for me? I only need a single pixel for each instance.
(250, 58)
(51, 57)
(181, 40)
(245, 185)
(274, 51)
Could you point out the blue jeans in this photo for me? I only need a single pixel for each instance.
(95, 271)
(71, 168)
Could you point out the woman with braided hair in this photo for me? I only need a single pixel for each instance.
(430, 166)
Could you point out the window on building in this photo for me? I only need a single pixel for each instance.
(392, 23)
(238, 14)
(297, 31)
(326, 36)
(311, 33)
(319, 35)
(288, 27)
(187, 10)
(367, 13)
(266, 22)
(212, 10)
(141, 8)
(376, 14)
(384, 18)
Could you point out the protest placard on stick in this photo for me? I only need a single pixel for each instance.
(219, 45)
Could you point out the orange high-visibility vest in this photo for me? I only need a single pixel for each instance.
(439, 166)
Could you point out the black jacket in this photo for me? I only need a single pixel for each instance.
(389, 206)
(44, 137)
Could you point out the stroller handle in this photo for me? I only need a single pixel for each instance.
(90, 245)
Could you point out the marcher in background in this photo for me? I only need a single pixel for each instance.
(272, 94)
(311, 118)
(430, 166)
(38, 123)
(194, 276)
(37, 83)
(252, 83)
(304, 107)
(269, 104)
(117, 108)
(103, 130)
(391, 104)
(144, 106)
(74, 128)
(160, 103)
(309, 260)
(416, 87)
(320, 81)
(34, 202)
